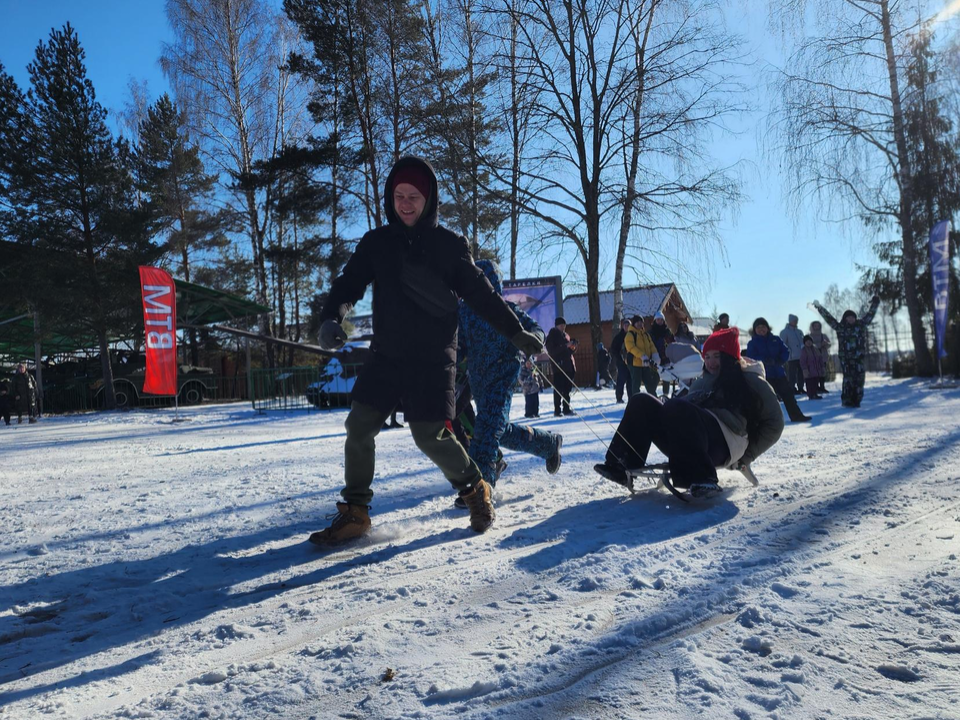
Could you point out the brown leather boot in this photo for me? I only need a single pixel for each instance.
(480, 507)
(349, 523)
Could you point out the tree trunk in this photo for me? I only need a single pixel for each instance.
(630, 197)
(911, 293)
(514, 147)
(109, 397)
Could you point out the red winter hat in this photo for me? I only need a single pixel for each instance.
(413, 175)
(726, 341)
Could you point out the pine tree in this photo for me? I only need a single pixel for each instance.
(13, 130)
(79, 213)
(175, 185)
(335, 145)
(459, 128)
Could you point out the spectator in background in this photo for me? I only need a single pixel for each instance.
(560, 348)
(531, 385)
(25, 394)
(394, 423)
(603, 366)
(723, 322)
(683, 335)
(661, 336)
(619, 355)
(822, 343)
(6, 402)
(792, 337)
(643, 358)
(770, 350)
(811, 363)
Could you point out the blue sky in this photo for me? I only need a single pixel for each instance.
(774, 266)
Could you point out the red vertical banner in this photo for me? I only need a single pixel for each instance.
(160, 329)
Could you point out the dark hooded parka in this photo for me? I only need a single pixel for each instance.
(418, 274)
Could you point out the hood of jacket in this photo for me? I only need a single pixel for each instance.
(430, 216)
(492, 272)
(752, 366)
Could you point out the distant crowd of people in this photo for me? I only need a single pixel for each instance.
(794, 363)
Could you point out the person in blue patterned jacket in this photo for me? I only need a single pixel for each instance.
(852, 347)
(493, 366)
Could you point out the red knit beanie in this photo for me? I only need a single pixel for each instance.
(413, 175)
(726, 341)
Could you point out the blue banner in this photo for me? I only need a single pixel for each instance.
(940, 271)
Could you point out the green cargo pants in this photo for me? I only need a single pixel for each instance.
(646, 376)
(435, 440)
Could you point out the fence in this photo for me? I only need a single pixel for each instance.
(309, 388)
(293, 388)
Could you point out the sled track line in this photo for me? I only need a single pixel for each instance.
(691, 627)
(295, 638)
(482, 592)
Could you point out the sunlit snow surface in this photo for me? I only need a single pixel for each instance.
(153, 569)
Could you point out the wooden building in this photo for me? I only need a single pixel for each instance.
(645, 300)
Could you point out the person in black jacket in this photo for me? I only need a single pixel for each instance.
(25, 394)
(6, 401)
(419, 271)
(560, 348)
(603, 367)
(616, 349)
(660, 333)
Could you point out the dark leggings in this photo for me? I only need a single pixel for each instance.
(785, 390)
(688, 435)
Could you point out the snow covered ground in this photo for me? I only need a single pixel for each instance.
(153, 569)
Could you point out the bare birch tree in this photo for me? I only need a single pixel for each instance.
(223, 66)
(591, 64)
(517, 97)
(841, 123)
(673, 194)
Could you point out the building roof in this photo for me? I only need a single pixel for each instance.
(702, 327)
(644, 300)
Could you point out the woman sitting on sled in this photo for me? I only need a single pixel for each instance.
(729, 417)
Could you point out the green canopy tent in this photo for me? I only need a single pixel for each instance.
(17, 333)
(23, 336)
(198, 305)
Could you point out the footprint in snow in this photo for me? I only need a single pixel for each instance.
(784, 591)
(900, 673)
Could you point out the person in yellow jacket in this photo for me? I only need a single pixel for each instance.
(642, 358)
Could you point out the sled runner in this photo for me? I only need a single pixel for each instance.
(658, 475)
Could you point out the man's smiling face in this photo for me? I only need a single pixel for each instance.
(408, 203)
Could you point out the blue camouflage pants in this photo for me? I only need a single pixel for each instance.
(854, 377)
(492, 388)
